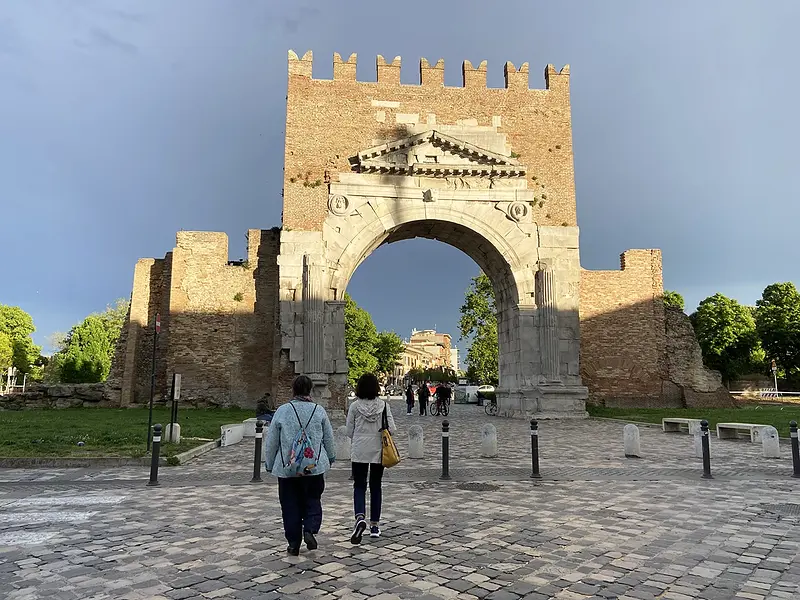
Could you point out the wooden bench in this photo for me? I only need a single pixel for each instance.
(730, 431)
(677, 425)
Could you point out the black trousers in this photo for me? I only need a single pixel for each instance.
(360, 489)
(301, 506)
(423, 406)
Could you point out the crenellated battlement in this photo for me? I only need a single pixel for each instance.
(388, 73)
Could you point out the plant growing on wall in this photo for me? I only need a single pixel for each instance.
(238, 296)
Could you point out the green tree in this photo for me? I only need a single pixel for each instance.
(86, 352)
(727, 335)
(388, 350)
(778, 326)
(360, 339)
(6, 351)
(673, 300)
(479, 320)
(18, 326)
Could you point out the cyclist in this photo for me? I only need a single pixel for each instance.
(443, 393)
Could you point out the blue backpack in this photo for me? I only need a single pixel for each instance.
(303, 460)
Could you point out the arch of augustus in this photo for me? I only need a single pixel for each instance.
(488, 171)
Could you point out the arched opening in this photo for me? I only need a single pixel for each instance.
(490, 255)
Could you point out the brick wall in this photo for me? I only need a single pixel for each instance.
(329, 121)
(217, 321)
(622, 330)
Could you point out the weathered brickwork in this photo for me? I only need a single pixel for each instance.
(328, 121)
(488, 171)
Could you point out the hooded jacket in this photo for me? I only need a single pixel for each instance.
(364, 420)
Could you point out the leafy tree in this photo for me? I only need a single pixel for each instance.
(18, 326)
(778, 326)
(388, 350)
(6, 351)
(479, 320)
(727, 335)
(87, 357)
(440, 374)
(86, 352)
(674, 300)
(360, 339)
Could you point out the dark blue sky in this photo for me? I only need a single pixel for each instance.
(122, 122)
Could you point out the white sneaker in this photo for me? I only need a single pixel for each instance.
(375, 531)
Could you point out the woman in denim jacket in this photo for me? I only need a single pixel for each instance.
(300, 496)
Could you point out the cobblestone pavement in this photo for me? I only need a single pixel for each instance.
(601, 526)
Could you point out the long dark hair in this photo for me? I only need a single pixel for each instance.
(368, 387)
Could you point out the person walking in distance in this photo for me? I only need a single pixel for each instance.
(409, 399)
(299, 450)
(364, 422)
(423, 393)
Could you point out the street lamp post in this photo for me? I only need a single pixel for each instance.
(775, 375)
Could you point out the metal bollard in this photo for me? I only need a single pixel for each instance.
(257, 457)
(156, 452)
(535, 449)
(706, 450)
(445, 450)
(795, 449)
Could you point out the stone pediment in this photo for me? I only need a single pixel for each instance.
(436, 154)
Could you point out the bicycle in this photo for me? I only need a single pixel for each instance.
(491, 408)
(439, 408)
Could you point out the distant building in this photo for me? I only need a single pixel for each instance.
(426, 349)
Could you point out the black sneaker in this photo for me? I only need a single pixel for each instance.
(375, 531)
(311, 541)
(358, 531)
(293, 551)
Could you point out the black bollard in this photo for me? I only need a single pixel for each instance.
(706, 450)
(257, 457)
(535, 449)
(445, 450)
(795, 449)
(156, 452)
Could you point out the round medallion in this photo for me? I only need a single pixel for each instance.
(338, 205)
(518, 210)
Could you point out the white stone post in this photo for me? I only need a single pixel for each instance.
(697, 439)
(416, 442)
(770, 442)
(630, 434)
(488, 441)
(548, 322)
(342, 444)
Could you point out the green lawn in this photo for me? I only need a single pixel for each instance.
(105, 431)
(776, 416)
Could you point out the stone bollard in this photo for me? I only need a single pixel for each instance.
(697, 438)
(630, 434)
(342, 444)
(488, 441)
(770, 443)
(416, 442)
(172, 433)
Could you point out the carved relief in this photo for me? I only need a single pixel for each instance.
(338, 204)
(517, 211)
(431, 195)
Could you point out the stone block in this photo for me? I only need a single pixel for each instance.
(231, 434)
(558, 237)
(770, 443)
(630, 436)
(342, 443)
(172, 433)
(416, 442)
(249, 427)
(488, 441)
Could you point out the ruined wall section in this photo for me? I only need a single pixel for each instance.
(221, 318)
(622, 350)
(150, 296)
(329, 121)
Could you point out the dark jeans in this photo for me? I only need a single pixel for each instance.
(360, 489)
(409, 405)
(423, 406)
(301, 506)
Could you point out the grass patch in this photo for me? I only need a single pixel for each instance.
(777, 416)
(104, 431)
